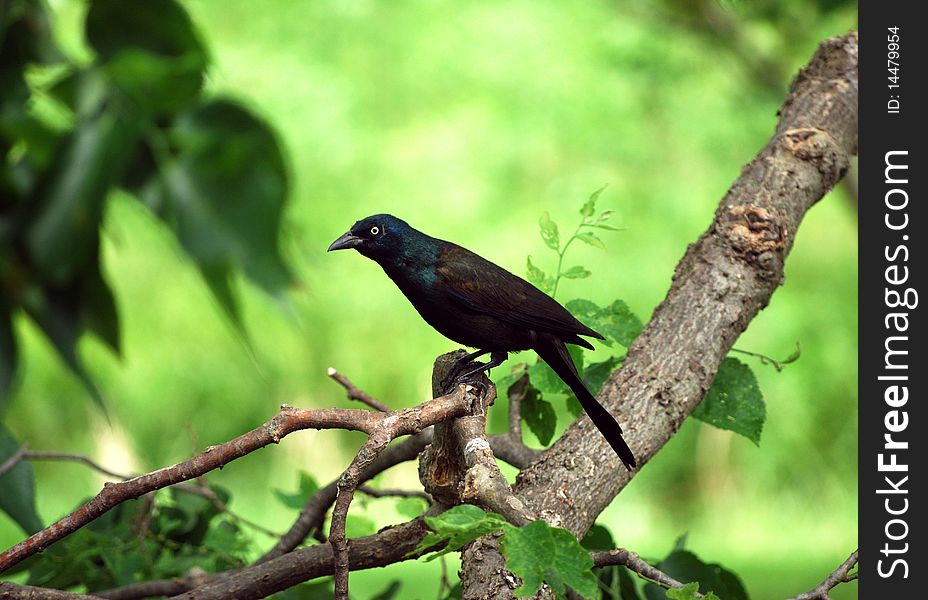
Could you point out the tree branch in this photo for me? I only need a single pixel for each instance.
(288, 420)
(840, 575)
(726, 277)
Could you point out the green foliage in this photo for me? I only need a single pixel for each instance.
(537, 553)
(540, 553)
(458, 527)
(690, 591)
(142, 541)
(734, 401)
(133, 118)
(539, 415)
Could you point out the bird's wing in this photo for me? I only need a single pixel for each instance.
(480, 286)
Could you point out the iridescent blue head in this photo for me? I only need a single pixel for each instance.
(382, 238)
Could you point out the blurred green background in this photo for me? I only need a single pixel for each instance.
(469, 119)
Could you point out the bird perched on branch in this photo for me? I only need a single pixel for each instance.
(479, 304)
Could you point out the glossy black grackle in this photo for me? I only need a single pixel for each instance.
(479, 304)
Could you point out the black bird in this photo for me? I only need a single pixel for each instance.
(479, 304)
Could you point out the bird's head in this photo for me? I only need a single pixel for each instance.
(379, 237)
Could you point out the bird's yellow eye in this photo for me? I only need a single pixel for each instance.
(375, 230)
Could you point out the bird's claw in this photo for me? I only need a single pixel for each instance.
(466, 374)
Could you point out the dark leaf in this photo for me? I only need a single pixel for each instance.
(598, 539)
(63, 238)
(596, 374)
(539, 415)
(98, 307)
(734, 401)
(150, 50)
(227, 189)
(9, 355)
(686, 567)
(17, 487)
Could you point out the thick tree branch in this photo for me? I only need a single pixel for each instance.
(726, 277)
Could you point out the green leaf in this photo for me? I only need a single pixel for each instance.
(540, 553)
(9, 354)
(589, 207)
(549, 232)
(458, 527)
(227, 189)
(538, 278)
(296, 500)
(63, 239)
(596, 374)
(598, 539)
(687, 592)
(575, 273)
(539, 415)
(605, 227)
(150, 50)
(586, 311)
(17, 487)
(734, 401)
(592, 239)
(616, 321)
(620, 323)
(98, 307)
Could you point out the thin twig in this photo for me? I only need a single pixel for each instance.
(14, 460)
(840, 575)
(356, 393)
(627, 558)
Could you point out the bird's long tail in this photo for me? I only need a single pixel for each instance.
(554, 352)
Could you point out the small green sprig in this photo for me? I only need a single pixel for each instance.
(550, 234)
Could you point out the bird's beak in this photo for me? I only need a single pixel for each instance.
(347, 240)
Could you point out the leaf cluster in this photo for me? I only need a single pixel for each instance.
(134, 119)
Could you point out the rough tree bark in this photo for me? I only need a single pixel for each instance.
(725, 278)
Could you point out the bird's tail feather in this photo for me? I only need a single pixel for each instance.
(554, 352)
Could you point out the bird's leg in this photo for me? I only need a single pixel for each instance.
(460, 373)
